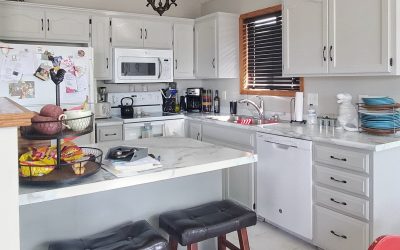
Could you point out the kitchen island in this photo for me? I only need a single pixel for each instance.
(103, 200)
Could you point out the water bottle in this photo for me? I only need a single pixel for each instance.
(311, 115)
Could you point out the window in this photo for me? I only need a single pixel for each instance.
(261, 55)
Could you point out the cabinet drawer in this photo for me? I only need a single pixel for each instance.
(334, 231)
(342, 202)
(113, 133)
(342, 158)
(342, 180)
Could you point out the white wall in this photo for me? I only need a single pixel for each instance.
(186, 8)
(326, 87)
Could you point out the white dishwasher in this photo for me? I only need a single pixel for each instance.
(284, 183)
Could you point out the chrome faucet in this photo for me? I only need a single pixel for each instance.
(259, 108)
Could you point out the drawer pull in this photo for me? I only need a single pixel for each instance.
(333, 179)
(338, 202)
(111, 134)
(339, 159)
(337, 235)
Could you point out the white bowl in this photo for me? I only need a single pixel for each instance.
(78, 124)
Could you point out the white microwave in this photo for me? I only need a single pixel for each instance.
(142, 65)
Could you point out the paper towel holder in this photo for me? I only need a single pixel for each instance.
(292, 115)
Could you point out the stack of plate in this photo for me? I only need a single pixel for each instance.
(380, 115)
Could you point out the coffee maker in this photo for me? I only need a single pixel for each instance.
(193, 99)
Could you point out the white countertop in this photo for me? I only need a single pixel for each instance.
(179, 156)
(314, 133)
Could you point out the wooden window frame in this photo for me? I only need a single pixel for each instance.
(243, 64)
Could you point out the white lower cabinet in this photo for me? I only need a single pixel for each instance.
(334, 231)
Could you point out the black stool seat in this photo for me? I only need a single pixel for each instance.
(207, 221)
(132, 236)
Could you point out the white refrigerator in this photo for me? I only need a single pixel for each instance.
(25, 78)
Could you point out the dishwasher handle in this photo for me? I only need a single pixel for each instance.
(281, 145)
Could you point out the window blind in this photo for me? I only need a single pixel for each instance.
(263, 54)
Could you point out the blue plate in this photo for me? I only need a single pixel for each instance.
(375, 101)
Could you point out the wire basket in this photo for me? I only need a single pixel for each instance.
(58, 129)
(64, 173)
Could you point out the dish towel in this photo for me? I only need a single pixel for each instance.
(174, 128)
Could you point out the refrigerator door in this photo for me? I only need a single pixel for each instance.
(24, 74)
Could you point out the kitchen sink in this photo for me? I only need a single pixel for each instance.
(243, 120)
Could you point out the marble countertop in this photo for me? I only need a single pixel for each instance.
(179, 156)
(313, 133)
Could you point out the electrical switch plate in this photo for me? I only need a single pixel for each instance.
(224, 95)
(312, 99)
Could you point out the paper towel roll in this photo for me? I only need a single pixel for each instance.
(299, 106)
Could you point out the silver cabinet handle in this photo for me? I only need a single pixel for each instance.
(107, 62)
(141, 33)
(145, 32)
(324, 53)
(213, 63)
(42, 24)
(176, 63)
(48, 24)
(336, 180)
(338, 159)
(330, 53)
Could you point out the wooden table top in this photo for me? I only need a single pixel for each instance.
(13, 114)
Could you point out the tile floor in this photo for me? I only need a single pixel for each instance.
(266, 237)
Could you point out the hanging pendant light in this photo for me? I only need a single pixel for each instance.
(159, 6)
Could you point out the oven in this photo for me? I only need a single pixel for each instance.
(142, 66)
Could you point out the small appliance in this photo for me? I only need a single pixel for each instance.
(127, 109)
(194, 101)
(102, 110)
(142, 66)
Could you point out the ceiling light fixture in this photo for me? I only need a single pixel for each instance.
(160, 7)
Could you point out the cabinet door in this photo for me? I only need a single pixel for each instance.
(157, 35)
(359, 36)
(206, 48)
(305, 37)
(101, 47)
(22, 23)
(67, 26)
(194, 131)
(127, 33)
(183, 51)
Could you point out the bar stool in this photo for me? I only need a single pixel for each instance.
(216, 219)
(386, 243)
(133, 236)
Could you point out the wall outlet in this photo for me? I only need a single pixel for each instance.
(312, 98)
(224, 95)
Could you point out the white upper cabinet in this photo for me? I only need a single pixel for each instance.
(206, 49)
(141, 33)
(359, 36)
(67, 26)
(184, 50)
(157, 35)
(34, 24)
(101, 47)
(217, 46)
(22, 23)
(305, 37)
(127, 32)
(331, 37)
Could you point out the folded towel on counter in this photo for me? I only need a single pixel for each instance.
(174, 128)
(125, 169)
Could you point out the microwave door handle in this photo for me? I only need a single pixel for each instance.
(159, 68)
